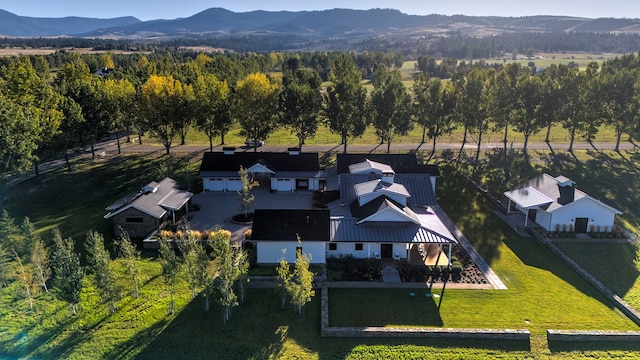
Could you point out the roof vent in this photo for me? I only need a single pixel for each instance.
(151, 187)
(228, 150)
(387, 177)
(294, 151)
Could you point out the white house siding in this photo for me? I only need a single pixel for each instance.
(270, 252)
(543, 219)
(584, 208)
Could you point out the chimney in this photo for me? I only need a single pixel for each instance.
(228, 150)
(567, 190)
(387, 177)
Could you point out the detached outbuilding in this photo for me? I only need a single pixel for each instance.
(555, 203)
(286, 171)
(145, 211)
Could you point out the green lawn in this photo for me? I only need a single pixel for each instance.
(616, 265)
(542, 290)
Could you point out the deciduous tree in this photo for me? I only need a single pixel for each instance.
(170, 271)
(345, 100)
(255, 106)
(301, 103)
(390, 106)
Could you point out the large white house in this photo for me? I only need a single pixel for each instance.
(555, 203)
(380, 214)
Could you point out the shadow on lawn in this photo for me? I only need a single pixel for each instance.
(257, 329)
(532, 253)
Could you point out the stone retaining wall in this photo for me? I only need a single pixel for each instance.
(592, 335)
(493, 334)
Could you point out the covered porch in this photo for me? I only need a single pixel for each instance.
(527, 201)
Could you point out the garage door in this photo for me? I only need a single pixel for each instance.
(214, 185)
(284, 185)
(234, 185)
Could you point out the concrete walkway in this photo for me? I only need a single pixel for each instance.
(482, 265)
(390, 274)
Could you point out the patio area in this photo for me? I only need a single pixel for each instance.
(217, 208)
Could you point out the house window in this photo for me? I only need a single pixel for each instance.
(358, 246)
(333, 246)
(134, 220)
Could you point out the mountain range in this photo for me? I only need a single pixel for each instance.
(335, 23)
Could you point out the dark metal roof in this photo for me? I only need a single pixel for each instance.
(219, 161)
(287, 224)
(400, 163)
(347, 230)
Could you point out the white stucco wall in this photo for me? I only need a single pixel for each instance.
(270, 252)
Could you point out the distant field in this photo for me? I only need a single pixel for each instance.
(17, 51)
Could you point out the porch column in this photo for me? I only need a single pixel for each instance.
(450, 246)
(509, 207)
(526, 217)
(173, 215)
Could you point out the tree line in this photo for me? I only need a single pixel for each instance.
(170, 94)
(214, 270)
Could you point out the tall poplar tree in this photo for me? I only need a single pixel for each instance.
(345, 100)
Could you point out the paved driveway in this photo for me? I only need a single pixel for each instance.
(217, 208)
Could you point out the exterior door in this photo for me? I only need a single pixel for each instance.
(581, 225)
(386, 251)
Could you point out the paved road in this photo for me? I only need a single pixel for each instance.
(110, 147)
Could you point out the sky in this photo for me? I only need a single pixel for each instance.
(171, 9)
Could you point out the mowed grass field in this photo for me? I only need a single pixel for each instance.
(543, 292)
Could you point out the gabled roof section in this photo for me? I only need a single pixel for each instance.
(383, 208)
(216, 163)
(380, 187)
(389, 212)
(369, 167)
(418, 185)
(166, 197)
(260, 166)
(287, 224)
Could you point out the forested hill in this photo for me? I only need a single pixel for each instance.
(335, 23)
(15, 25)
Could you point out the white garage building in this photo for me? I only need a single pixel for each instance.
(286, 171)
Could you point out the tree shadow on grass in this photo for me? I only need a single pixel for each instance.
(257, 329)
(534, 254)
